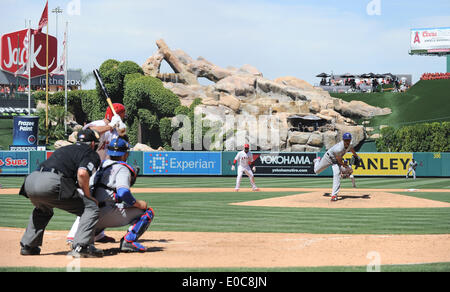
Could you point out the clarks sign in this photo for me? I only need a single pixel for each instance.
(14, 53)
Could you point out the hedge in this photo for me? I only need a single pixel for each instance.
(428, 137)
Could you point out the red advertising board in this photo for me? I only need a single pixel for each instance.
(14, 53)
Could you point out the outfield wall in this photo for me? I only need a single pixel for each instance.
(266, 163)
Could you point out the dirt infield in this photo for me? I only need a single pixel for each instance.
(347, 199)
(263, 250)
(210, 249)
(15, 191)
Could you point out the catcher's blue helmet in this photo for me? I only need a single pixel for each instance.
(347, 136)
(118, 147)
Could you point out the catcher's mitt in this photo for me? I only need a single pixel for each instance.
(356, 161)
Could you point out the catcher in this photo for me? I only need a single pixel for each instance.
(110, 186)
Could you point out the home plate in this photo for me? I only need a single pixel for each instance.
(347, 199)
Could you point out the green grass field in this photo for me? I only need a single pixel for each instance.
(426, 101)
(6, 134)
(212, 212)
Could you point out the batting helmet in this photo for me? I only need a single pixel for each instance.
(246, 146)
(118, 107)
(347, 136)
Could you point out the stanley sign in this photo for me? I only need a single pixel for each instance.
(384, 164)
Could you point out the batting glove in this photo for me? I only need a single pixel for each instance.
(122, 126)
(232, 167)
(254, 169)
(115, 121)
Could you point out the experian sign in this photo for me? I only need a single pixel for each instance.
(182, 163)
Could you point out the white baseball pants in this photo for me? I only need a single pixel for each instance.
(240, 171)
(324, 163)
(411, 170)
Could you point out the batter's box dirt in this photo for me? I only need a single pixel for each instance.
(347, 199)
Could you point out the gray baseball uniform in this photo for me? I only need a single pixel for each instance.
(329, 159)
(113, 212)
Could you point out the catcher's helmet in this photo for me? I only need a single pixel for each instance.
(118, 147)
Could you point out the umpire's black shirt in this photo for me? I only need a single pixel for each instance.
(68, 159)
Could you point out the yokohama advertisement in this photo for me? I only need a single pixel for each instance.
(430, 40)
(293, 164)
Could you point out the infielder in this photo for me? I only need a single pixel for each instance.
(111, 187)
(245, 160)
(333, 157)
(412, 168)
(111, 127)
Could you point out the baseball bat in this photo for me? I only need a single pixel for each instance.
(105, 92)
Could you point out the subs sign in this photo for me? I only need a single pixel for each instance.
(293, 164)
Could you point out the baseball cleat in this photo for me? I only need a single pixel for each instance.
(89, 251)
(255, 189)
(27, 250)
(106, 239)
(134, 246)
(236, 190)
(334, 199)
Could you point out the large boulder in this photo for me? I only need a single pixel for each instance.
(315, 139)
(238, 85)
(358, 133)
(230, 101)
(299, 137)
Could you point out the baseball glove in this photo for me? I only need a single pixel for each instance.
(356, 161)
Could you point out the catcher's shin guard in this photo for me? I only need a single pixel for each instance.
(140, 227)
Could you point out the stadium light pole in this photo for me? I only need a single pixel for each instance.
(57, 11)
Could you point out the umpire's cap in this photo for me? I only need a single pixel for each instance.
(118, 147)
(88, 135)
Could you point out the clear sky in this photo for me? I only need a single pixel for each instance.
(281, 38)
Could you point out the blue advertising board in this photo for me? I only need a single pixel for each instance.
(25, 131)
(14, 162)
(182, 163)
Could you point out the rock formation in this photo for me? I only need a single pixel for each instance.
(303, 117)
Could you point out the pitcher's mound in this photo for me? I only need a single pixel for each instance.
(354, 199)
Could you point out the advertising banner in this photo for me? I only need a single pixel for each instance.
(295, 164)
(14, 52)
(25, 131)
(182, 163)
(14, 162)
(274, 164)
(430, 40)
(383, 164)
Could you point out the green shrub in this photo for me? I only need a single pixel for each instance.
(428, 137)
(148, 92)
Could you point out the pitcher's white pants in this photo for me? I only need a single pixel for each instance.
(324, 163)
(240, 171)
